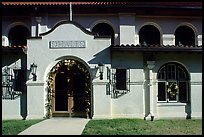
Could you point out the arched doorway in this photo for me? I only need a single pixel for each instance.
(69, 89)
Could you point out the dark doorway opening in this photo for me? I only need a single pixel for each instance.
(72, 96)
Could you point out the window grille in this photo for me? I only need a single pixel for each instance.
(119, 82)
(10, 84)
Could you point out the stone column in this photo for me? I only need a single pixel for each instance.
(150, 66)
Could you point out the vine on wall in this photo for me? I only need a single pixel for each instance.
(84, 100)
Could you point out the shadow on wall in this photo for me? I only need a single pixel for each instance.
(188, 110)
(7, 60)
(102, 56)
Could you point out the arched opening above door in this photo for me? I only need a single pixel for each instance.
(69, 89)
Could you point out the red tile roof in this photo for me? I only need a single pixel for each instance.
(130, 47)
(138, 47)
(15, 48)
(194, 4)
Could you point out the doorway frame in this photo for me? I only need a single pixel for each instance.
(50, 105)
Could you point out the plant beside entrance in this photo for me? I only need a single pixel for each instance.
(82, 95)
(82, 105)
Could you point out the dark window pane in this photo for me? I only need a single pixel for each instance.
(161, 91)
(183, 91)
(181, 74)
(185, 35)
(149, 34)
(104, 29)
(121, 79)
(162, 74)
(171, 71)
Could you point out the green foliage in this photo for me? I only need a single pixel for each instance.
(143, 127)
(14, 127)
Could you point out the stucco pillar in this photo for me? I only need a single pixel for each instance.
(38, 20)
(199, 40)
(150, 66)
(168, 39)
(101, 100)
(36, 100)
(127, 28)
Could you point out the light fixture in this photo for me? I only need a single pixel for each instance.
(101, 69)
(33, 68)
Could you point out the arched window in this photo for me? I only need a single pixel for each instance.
(103, 29)
(18, 35)
(149, 34)
(173, 83)
(184, 35)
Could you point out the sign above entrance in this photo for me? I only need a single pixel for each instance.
(67, 44)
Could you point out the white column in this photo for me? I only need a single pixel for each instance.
(127, 28)
(199, 40)
(168, 39)
(150, 66)
(38, 20)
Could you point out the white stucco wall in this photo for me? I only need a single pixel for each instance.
(96, 51)
(11, 109)
(193, 64)
(132, 103)
(101, 101)
(36, 100)
(126, 27)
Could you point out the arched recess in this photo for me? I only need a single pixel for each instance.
(149, 34)
(69, 89)
(18, 33)
(104, 28)
(186, 34)
(173, 83)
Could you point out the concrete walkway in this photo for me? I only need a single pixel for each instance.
(57, 126)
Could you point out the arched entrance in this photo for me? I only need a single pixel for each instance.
(69, 89)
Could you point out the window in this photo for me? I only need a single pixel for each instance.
(18, 35)
(184, 35)
(173, 83)
(12, 83)
(121, 79)
(104, 29)
(119, 82)
(149, 34)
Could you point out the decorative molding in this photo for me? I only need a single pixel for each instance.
(137, 83)
(67, 44)
(35, 83)
(100, 82)
(196, 82)
(160, 104)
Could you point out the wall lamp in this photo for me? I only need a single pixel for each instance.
(101, 70)
(33, 68)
